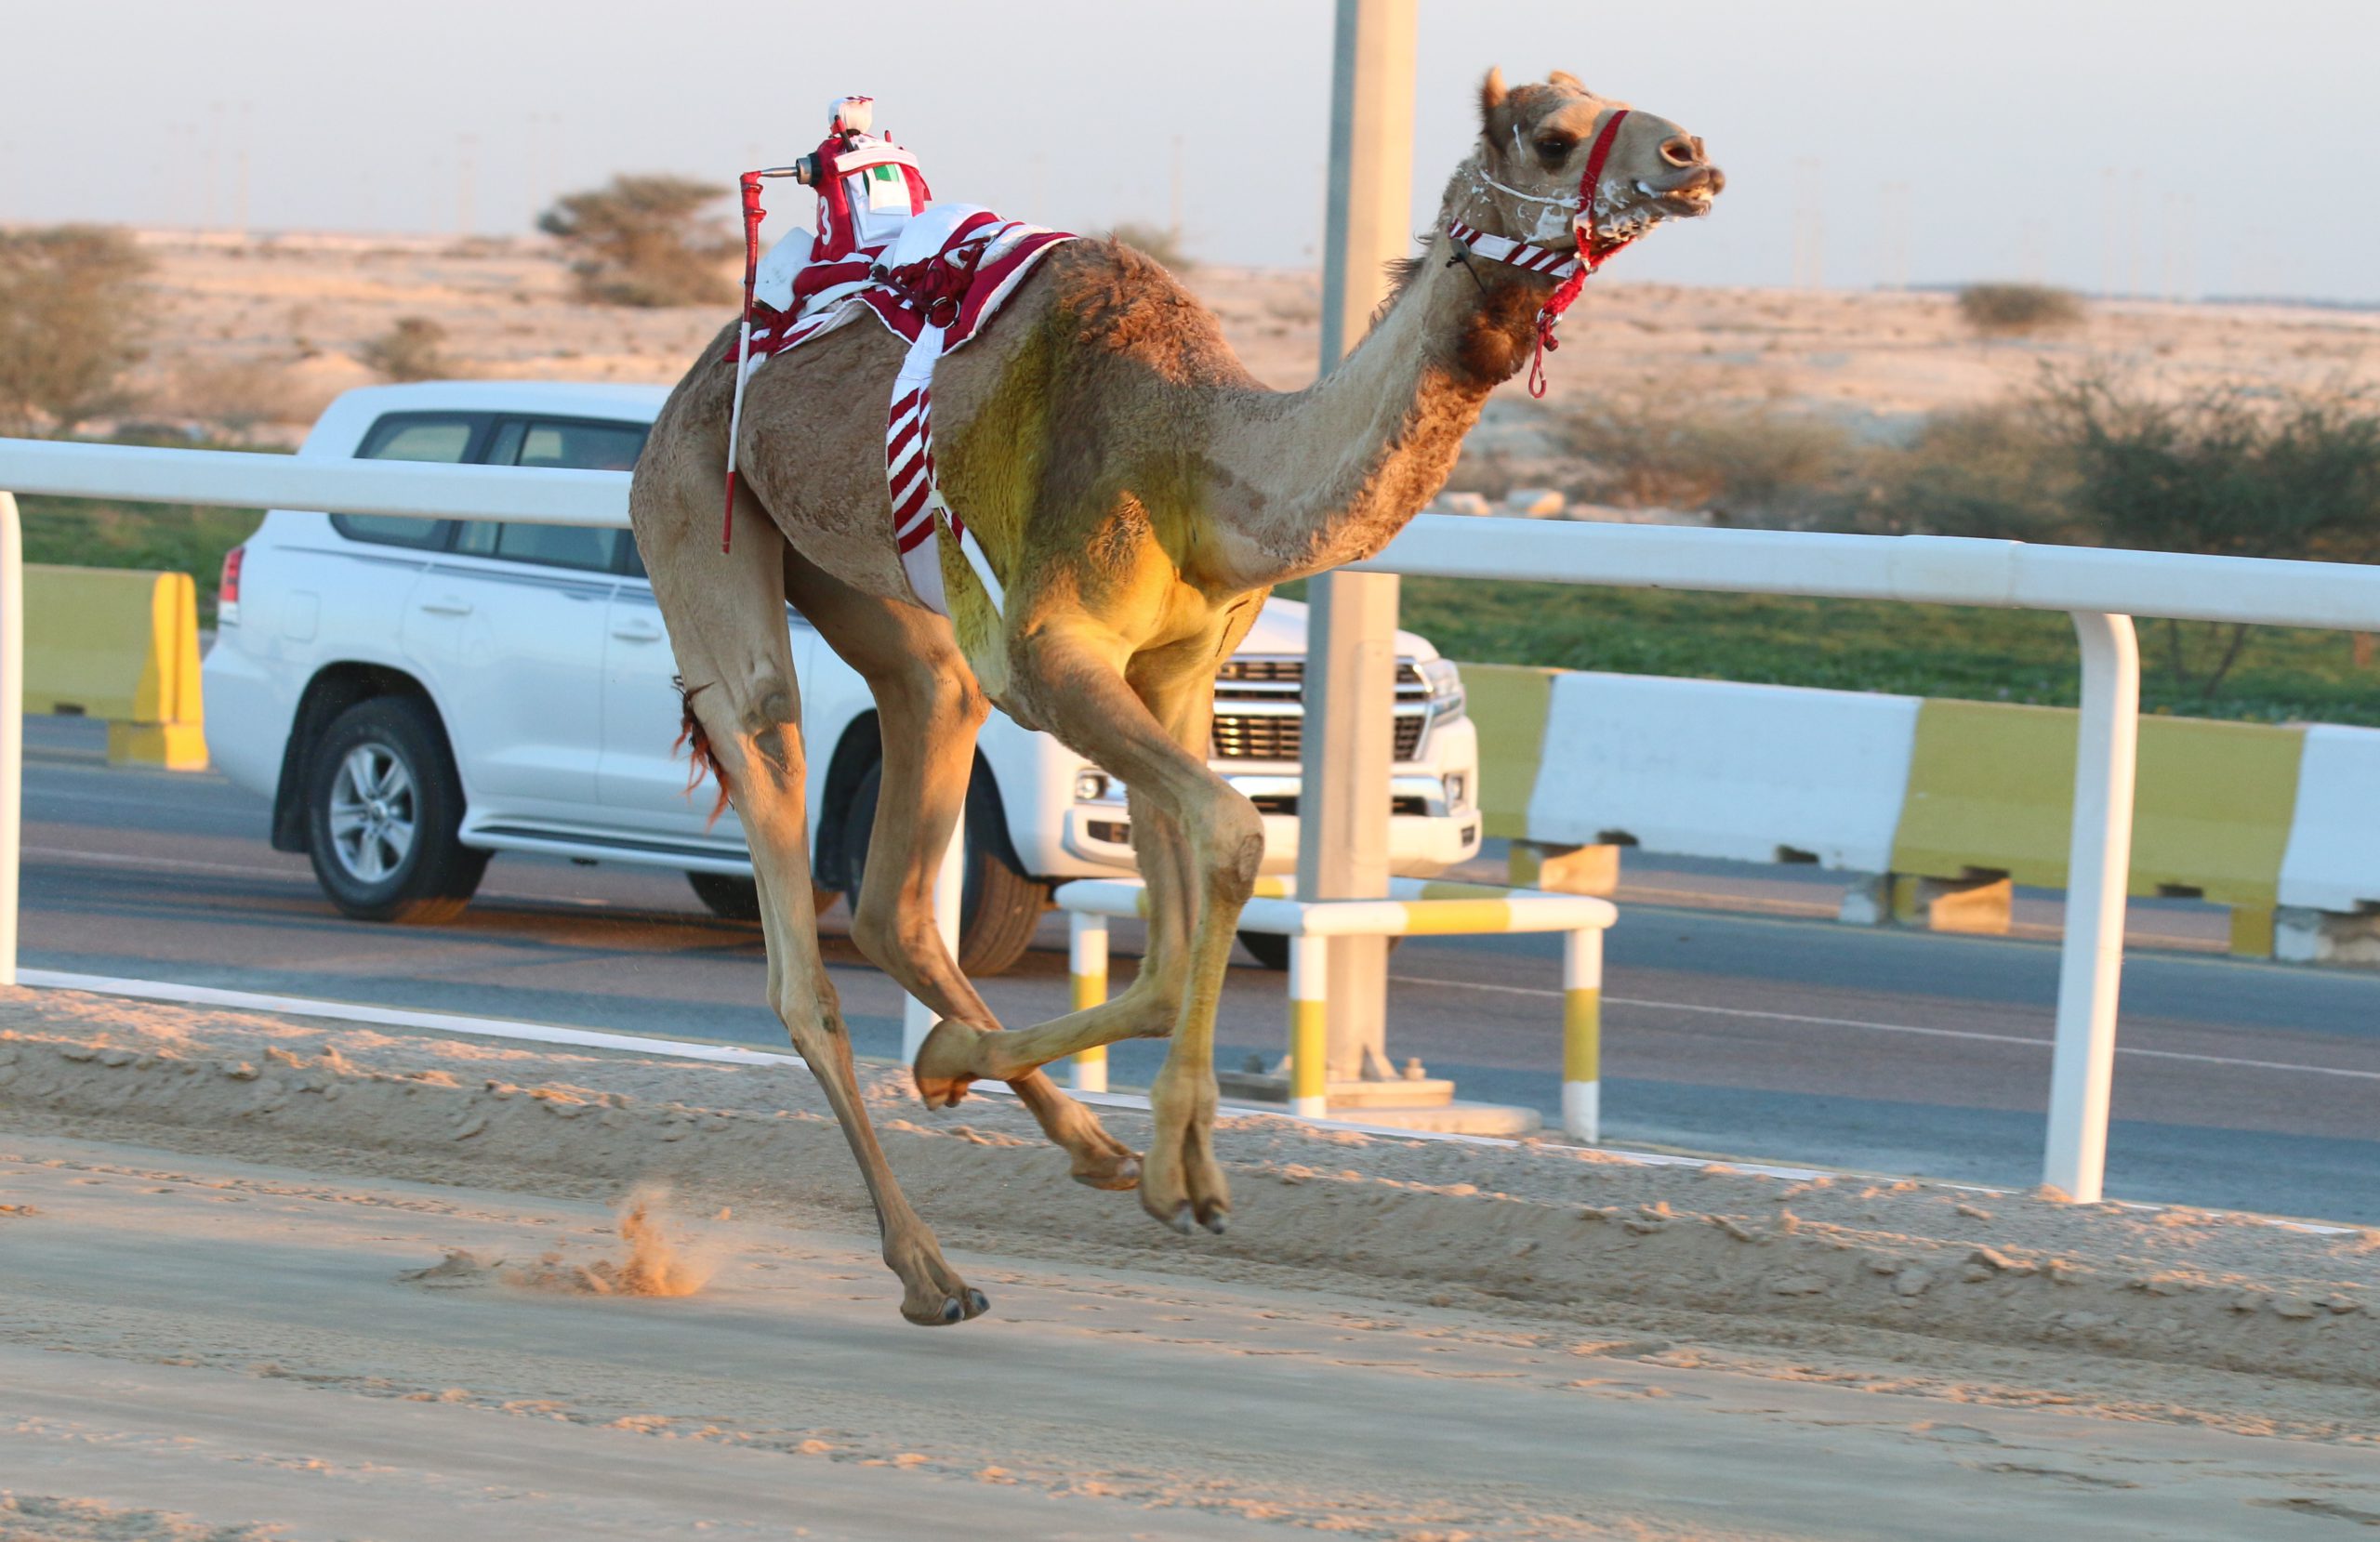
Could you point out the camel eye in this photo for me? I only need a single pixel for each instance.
(1555, 150)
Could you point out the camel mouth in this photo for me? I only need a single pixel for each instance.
(1690, 199)
(1644, 205)
(1617, 226)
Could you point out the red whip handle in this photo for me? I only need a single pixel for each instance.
(753, 214)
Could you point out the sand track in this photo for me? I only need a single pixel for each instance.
(1398, 1340)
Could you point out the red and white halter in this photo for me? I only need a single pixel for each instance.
(1571, 268)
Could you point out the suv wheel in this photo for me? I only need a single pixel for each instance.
(382, 806)
(999, 907)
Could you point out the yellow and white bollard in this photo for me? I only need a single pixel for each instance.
(1087, 964)
(1583, 1034)
(1309, 1037)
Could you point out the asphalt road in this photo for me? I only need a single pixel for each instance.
(1739, 1020)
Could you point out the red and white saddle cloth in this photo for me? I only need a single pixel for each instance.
(936, 284)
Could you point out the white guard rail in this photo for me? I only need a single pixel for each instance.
(2101, 589)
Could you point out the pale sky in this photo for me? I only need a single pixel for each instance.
(2187, 146)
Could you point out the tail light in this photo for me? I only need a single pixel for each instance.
(227, 593)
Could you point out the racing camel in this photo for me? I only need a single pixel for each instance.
(1130, 494)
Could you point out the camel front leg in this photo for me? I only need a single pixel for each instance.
(1197, 887)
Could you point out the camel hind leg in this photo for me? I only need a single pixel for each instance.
(726, 620)
(928, 712)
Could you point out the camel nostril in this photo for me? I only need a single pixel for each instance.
(1683, 151)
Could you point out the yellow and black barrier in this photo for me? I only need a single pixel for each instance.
(120, 645)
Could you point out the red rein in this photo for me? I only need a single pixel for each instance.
(1584, 231)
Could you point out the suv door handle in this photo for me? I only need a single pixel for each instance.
(449, 605)
(637, 631)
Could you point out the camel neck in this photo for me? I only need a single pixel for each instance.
(1330, 474)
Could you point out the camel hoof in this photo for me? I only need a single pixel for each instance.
(952, 1309)
(1217, 1223)
(1181, 1220)
(977, 1304)
(1114, 1177)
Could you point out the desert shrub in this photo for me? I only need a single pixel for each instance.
(1661, 447)
(1998, 472)
(413, 349)
(68, 324)
(2230, 469)
(1158, 244)
(645, 241)
(2011, 309)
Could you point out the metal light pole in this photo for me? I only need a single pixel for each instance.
(1351, 642)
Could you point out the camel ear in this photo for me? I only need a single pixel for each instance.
(1492, 96)
(1564, 77)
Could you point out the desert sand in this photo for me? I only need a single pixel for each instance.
(265, 331)
(313, 1280)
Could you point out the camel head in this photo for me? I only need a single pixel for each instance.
(1537, 140)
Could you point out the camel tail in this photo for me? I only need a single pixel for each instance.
(701, 760)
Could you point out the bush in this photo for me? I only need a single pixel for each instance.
(1663, 448)
(2229, 469)
(1159, 245)
(2001, 472)
(643, 241)
(2233, 469)
(2011, 309)
(68, 323)
(413, 349)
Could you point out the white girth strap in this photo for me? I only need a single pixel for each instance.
(918, 509)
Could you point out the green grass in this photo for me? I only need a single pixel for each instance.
(95, 533)
(2286, 675)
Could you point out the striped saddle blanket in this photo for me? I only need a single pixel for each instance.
(935, 286)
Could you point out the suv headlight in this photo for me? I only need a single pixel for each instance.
(1444, 682)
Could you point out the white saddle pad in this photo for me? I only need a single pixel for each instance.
(928, 231)
(773, 281)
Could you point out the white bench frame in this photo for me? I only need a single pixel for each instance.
(1415, 908)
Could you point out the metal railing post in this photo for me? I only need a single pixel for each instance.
(1309, 1027)
(1086, 967)
(1583, 1034)
(949, 889)
(12, 726)
(2098, 874)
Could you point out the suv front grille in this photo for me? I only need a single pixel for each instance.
(1279, 736)
(1270, 692)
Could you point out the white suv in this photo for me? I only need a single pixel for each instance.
(416, 695)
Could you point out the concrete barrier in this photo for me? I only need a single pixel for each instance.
(1716, 769)
(1690, 767)
(1947, 805)
(1991, 801)
(2330, 873)
(120, 645)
